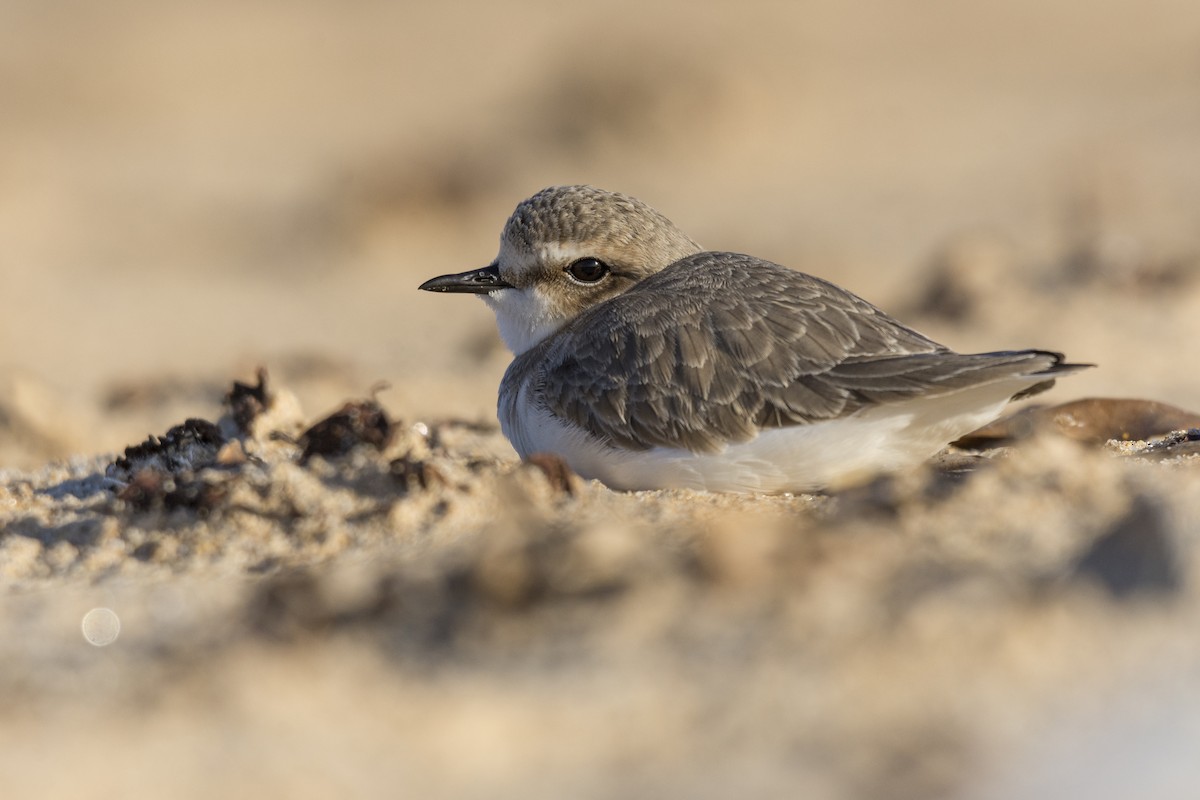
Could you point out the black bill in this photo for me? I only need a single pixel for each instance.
(476, 281)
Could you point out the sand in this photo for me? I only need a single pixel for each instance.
(192, 193)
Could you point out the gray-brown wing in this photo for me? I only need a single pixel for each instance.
(719, 345)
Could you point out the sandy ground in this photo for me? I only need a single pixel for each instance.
(189, 192)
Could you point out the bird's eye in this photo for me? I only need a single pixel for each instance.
(588, 270)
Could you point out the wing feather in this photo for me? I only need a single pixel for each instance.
(720, 345)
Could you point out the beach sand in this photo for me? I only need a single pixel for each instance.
(238, 609)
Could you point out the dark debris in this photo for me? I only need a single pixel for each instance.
(1175, 443)
(356, 423)
(152, 490)
(413, 473)
(246, 402)
(189, 447)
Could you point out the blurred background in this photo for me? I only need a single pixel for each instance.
(190, 190)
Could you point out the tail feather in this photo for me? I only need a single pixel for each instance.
(890, 379)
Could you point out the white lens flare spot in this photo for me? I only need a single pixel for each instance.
(101, 626)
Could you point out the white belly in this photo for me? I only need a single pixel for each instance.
(793, 459)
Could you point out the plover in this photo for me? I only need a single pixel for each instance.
(646, 362)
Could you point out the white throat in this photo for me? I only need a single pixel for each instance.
(523, 317)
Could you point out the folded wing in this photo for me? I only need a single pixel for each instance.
(721, 345)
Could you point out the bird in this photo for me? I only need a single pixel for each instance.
(646, 362)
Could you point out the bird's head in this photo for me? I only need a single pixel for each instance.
(564, 250)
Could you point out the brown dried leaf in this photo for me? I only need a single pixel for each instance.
(1093, 420)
